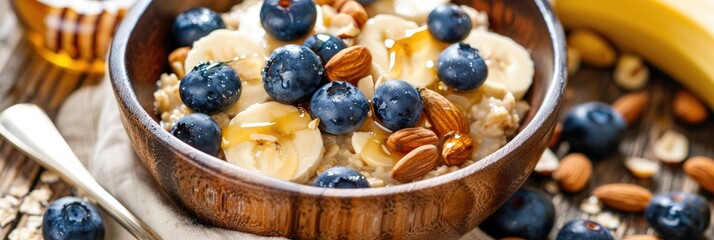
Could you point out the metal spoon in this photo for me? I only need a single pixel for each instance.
(28, 128)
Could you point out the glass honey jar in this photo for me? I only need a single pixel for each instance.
(72, 34)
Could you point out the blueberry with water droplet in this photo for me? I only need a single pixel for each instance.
(593, 128)
(199, 131)
(397, 105)
(324, 45)
(461, 67)
(292, 74)
(72, 218)
(341, 177)
(527, 214)
(340, 106)
(678, 215)
(288, 20)
(194, 24)
(210, 88)
(449, 23)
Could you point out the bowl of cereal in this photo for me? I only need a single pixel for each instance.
(340, 119)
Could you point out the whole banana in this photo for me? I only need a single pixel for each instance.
(677, 36)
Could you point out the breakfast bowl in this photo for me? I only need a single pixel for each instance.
(223, 195)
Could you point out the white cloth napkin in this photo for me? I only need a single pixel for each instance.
(89, 120)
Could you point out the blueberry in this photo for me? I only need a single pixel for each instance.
(194, 24)
(527, 214)
(288, 20)
(210, 88)
(324, 45)
(292, 74)
(461, 67)
(397, 105)
(340, 106)
(340, 177)
(583, 229)
(593, 128)
(200, 131)
(365, 2)
(72, 218)
(449, 23)
(678, 215)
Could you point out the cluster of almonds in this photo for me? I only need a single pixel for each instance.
(574, 171)
(420, 144)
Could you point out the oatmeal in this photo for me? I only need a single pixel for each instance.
(275, 115)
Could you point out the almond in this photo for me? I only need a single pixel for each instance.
(688, 109)
(408, 139)
(356, 11)
(350, 64)
(641, 237)
(457, 148)
(177, 59)
(701, 169)
(631, 106)
(443, 115)
(416, 163)
(574, 172)
(623, 196)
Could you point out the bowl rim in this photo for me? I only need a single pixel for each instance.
(126, 95)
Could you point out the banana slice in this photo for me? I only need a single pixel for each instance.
(276, 140)
(416, 11)
(412, 58)
(509, 64)
(378, 32)
(368, 143)
(227, 45)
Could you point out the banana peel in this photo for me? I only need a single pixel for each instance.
(674, 35)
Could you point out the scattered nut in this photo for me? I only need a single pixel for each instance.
(557, 132)
(623, 196)
(49, 177)
(672, 147)
(591, 205)
(608, 220)
(641, 167)
(574, 172)
(631, 73)
(547, 164)
(356, 11)
(631, 106)
(641, 237)
(457, 148)
(688, 108)
(408, 139)
(594, 49)
(177, 59)
(350, 64)
(416, 163)
(574, 60)
(701, 169)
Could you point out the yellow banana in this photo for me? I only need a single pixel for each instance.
(677, 36)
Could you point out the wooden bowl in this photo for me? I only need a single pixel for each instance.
(230, 197)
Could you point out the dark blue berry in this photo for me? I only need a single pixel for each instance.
(200, 131)
(593, 128)
(461, 67)
(340, 177)
(397, 105)
(449, 23)
(583, 229)
(292, 74)
(365, 2)
(72, 218)
(288, 20)
(527, 214)
(210, 88)
(324, 45)
(678, 215)
(340, 106)
(194, 24)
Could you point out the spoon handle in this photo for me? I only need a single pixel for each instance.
(28, 128)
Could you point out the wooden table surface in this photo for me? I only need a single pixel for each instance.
(26, 77)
